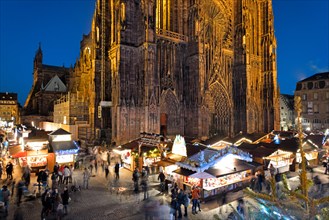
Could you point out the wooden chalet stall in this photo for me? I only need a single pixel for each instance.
(144, 151)
(215, 171)
(62, 145)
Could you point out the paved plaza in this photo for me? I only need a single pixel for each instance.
(116, 200)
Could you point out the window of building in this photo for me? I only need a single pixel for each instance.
(315, 96)
(316, 121)
(304, 97)
(316, 108)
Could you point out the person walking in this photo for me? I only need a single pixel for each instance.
(1, 170)
(326, 171)
(272, 170)
(144, 184)
(180, 202)
(86, 176)
(223, 205)
(116, 170)
(135, 178)
(20, 186)
(186, 203)
(5, 198)
(9, 170)
(107, 171)
(27, 175)
(65, 198)
(162, 179)
(71, 173)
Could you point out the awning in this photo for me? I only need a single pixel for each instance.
(202, 175)
(184, 172)
(164, 163)
(19, 154)
(15, 149)
(64, 146)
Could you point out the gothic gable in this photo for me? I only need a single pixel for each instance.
(55, 85)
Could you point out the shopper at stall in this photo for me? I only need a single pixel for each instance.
(56, 168)
(67, 174)
(195, 199)
(71, 173)
(61, 174)
(135, 179)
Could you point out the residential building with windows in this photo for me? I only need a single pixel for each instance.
(314, 93)
(287, 112)
(9, 111)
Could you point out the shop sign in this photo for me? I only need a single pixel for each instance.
(68, 158)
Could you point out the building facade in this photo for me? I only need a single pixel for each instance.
(49, 84)
(198, 68)
(9, 109)
(314, 93)
(287, 112)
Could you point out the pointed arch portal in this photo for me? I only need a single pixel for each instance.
(220, 110)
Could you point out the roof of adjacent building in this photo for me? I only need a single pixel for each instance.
(318, 76)
(59, 131)
(288, 100)
(8, 96)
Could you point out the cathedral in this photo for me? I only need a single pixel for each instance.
(197, 68)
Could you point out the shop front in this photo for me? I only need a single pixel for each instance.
(216, 171)
(125, 156)
(65, 151)
(281, 160)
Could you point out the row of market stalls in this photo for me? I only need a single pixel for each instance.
(42, 150)
(214, 171)
(221, 164)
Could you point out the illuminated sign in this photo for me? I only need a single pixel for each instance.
(179, 146)
(67, 158)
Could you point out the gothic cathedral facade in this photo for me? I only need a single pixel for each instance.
(198, 68)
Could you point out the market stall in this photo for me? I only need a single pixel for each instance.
(281, 160)
(215, 171)
(126, 157)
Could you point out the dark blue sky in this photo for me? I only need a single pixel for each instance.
(301, 28)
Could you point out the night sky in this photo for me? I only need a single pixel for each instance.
(301, 28)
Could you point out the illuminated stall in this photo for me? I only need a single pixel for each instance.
(36, 155)
(215, 171)
(281, 160)
(64, 148)
(126, 156)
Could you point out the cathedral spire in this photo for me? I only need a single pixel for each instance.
(38, 57)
